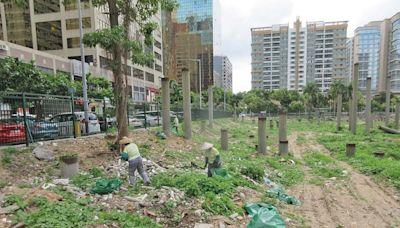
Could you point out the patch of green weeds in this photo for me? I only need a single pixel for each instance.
(83, 181)
(322, 165)
(24, 185)
(10, 150)
(3, 184)
(301, 139)
(17, 200)
(220, 204)
(96, 172)
(285, 173)
(254, 172)
(126, 220)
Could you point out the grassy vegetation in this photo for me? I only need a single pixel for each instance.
(71, 213)
(322, 165)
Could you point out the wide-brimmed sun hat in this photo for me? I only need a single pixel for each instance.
(206, 146)
(125, 140)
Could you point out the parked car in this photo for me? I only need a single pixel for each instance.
(135, 122)
(66, 127)
(42, 129)
(150, 120)
(11, 132)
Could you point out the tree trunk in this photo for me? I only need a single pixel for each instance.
(120, 90)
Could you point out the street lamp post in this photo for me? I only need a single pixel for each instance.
(84, 83)
(200, 75)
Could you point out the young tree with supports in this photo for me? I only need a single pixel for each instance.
(117, 41)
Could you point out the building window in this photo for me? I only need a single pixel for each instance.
(74, 42)
(158, 68)
(149, 77)
(49, 35)
(72, 4)
(104, 62)
(18, 24)
(157, 44)
(46, 6)
(72, 24)
(138, 73)
(138, 93)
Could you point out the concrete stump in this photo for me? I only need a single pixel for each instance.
(350, 149)
(283, 147)
(187, 112)
(262, 135)
(397, 116)
(224, 139)
(69, 166)
(166, 119)
(339, 112)
(368, 119)
(210, 107)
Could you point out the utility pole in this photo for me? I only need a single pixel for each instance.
(84, 83)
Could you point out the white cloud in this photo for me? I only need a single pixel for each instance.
(239, 16)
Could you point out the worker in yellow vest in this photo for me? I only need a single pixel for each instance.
(131, 154)
(212, 158)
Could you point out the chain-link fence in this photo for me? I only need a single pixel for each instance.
(28, 118)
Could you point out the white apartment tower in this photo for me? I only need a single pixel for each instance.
(284, 57)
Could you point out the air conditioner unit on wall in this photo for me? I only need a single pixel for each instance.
(3, 47)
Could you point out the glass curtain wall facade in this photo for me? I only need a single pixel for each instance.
(368, 41)
(394, 65)
(188, 36)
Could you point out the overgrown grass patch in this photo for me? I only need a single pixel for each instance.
(386, 167)
(322, 165)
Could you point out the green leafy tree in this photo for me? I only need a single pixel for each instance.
(117, 41)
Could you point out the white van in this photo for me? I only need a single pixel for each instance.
(66, 127)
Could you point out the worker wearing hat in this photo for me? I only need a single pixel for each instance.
(131, 154)
(212, 157)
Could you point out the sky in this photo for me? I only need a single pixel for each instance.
(237, 17)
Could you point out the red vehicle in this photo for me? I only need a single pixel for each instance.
(11, 133)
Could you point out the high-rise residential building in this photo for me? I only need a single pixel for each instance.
(376, 47)
(191, 37)
(349, 61)
(52, 26)
(284, 57)
(223, 72)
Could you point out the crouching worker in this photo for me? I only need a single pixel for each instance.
(131, 154)
(212, 158)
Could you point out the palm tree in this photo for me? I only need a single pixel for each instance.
(311, 95)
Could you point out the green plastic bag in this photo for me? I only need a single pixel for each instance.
(264, 216)
(161, 135)
(124, 156)
(280, 194)
(106, 186)
(220, 172)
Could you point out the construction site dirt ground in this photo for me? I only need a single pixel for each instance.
(334, 191)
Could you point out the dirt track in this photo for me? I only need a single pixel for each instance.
(356, 201)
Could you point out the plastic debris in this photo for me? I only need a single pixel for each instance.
(106, 186)
(264, 216)
(124, 156)
(220, 172)
(161, 135)
(279, 193)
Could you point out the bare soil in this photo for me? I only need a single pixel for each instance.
(356, 201)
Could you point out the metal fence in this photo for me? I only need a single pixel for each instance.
(28, 118)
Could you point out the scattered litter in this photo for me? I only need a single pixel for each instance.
(106, 186)
(264, 216)
(8, 210)
(161, 135)
(279, 193)
(63, 182)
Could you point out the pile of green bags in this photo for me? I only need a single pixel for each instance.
(106, 186)
(264, 216)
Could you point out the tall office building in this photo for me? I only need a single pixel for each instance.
(367, 43)
(52, 26)
(223, 72)
(191, 37)
(376, 47)
(284, 57)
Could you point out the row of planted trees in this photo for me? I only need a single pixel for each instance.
(293, 101)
